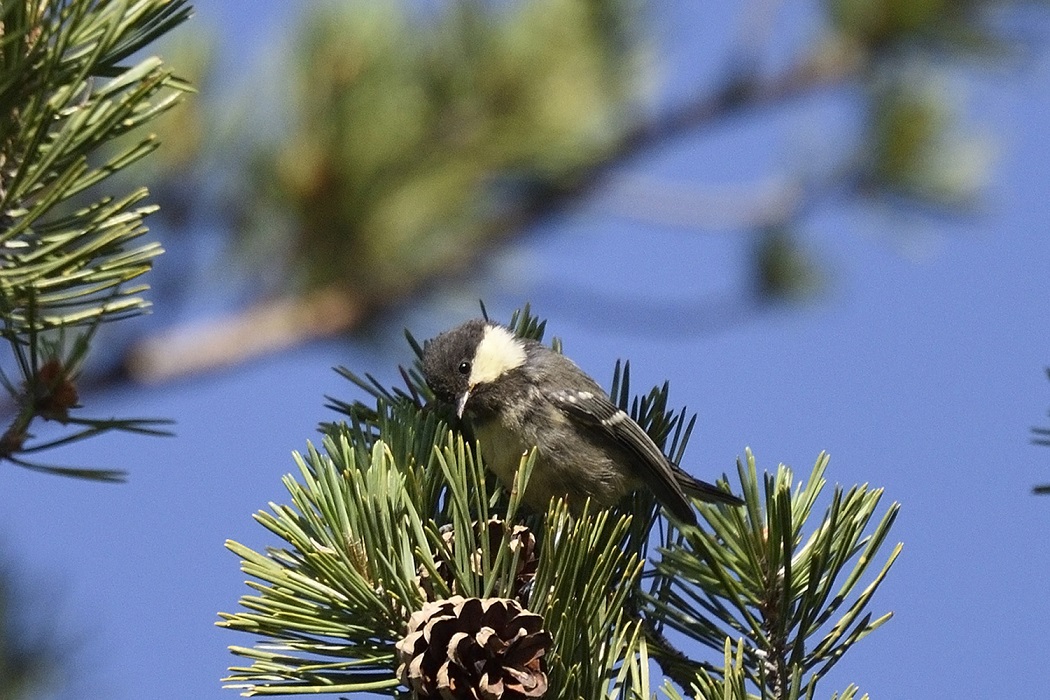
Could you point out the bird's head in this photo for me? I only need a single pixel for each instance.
(475, 354)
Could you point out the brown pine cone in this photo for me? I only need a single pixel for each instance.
(521, 541)
(474, 649)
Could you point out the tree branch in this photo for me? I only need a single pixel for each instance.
(278, 325)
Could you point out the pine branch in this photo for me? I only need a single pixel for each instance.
(758, 578)
(60, 112)
(360, 555)
(67, 262)
(396, 524)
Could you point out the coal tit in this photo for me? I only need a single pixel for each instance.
(517, 394)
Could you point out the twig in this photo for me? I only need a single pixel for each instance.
(261, 330)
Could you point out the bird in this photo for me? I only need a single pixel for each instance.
(517, 394)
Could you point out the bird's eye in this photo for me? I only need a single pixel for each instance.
(464, 367)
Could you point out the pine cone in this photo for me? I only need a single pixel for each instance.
(521, 541)
(474, 649)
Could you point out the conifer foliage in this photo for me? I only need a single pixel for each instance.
(402, 567)
(74, 96)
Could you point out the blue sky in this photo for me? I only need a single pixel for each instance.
(920, 371)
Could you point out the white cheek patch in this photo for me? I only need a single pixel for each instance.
(498, 352)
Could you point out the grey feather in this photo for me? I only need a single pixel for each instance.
(596, 413)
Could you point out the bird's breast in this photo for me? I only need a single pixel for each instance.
(501, 448)
(566, 464)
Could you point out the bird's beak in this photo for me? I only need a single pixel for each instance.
(462, 403)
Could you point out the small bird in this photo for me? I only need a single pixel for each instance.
(518, 394)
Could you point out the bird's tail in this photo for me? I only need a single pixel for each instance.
(703, 490)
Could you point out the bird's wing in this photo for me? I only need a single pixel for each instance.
(594, 411)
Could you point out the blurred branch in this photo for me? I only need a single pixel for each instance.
(282, 323)
(410, 149)
(260, 330)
